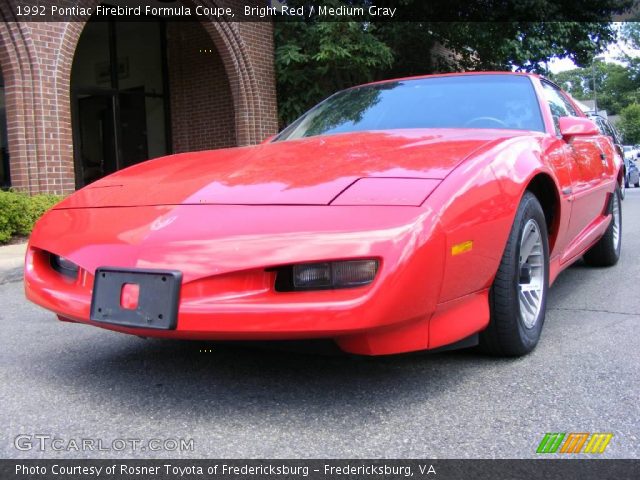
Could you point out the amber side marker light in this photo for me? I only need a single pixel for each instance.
(462, 247)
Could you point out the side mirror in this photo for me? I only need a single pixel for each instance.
(572, 126)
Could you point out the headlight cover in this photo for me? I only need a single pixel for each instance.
(326, 275)
(63, 266)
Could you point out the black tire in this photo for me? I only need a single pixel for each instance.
(606, 252)
(507, 333)
(637, 184)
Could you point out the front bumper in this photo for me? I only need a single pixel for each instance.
(228, 285)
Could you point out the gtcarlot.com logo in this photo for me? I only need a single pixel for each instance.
(574, 442)
(50, 443)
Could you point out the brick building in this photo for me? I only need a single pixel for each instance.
(81, 99)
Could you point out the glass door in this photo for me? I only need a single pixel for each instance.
(96, 137)
(120, 98)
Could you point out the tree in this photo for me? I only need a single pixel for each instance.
(616, 85)
(524, 46)
(578, 82)
(631, 33)
(314, 58)
(629, 123)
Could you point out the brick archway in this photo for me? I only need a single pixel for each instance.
(241, 74)
(202, 104)
(37, 58)
(27, 152)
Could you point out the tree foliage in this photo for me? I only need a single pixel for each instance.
(629, 123)
(19, 212)
(616, 86)
(524, 46)
(631, 33)
(315, 59)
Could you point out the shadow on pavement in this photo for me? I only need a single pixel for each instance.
(174, 377)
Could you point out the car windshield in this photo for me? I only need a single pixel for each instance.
(468, 101)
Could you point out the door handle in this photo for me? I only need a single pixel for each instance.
(603, 156)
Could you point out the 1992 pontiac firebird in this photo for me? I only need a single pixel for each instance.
(397, 216)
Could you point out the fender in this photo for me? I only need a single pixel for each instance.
(494, 182)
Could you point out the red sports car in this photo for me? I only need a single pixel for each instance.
(402, 215)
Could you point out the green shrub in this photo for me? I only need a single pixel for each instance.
(19, 212)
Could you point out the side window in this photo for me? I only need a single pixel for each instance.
(559, 105)
(616, 135)
(601, 125)
(606, 129)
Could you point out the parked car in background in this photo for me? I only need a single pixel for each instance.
(633, 177)
(606, 128)
(631, 154)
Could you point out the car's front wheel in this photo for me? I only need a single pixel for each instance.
(518, 296)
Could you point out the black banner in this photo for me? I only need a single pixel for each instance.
(326, 10)
(584, 469)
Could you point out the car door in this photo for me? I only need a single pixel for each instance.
(588, 162)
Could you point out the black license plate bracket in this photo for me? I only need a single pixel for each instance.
(158, 297)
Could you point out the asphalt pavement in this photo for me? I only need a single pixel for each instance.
(74, 382)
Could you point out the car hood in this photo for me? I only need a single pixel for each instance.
(309, 171)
